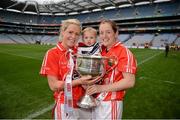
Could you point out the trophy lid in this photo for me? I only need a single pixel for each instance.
(92, 56)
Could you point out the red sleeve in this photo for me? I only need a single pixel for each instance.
(127, 62)
(50, 64)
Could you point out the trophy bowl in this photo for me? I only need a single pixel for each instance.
(89, 65)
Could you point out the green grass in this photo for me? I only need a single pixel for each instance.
(24, 91)
(156, 94)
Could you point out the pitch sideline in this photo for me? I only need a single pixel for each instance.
(20, 55)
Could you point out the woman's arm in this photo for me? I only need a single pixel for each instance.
(56, 84)
(127, 82)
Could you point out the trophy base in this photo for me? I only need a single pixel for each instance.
(87, 102)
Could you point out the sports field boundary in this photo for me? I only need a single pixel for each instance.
(40, 112)
(149, 58)
(20, 55)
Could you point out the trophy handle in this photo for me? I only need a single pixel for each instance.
(111, 61)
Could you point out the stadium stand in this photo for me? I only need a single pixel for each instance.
(161, 18)
(139, 40)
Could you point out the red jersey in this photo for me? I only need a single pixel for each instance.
(126, 63)
(55, 63)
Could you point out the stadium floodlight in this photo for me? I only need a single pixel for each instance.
(142, 3)
(13, 10)
(73, 13)
(126, 5)
(97, 10)
(158, 1)
(28, 12)
(60, 13)
(43, 1)
(86, 11)
(108, 8)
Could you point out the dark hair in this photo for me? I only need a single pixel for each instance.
(112, 23)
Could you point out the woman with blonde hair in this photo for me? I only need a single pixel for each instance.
(58, 67)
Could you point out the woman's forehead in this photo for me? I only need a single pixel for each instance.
(105, 26)
(73, 27)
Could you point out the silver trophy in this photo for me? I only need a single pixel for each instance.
(95, 66)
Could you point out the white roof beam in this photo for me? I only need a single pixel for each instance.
(37, 7)
(13, 5)
(26, 4)
(111, 2)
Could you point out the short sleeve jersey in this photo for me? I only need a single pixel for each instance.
(55, 63)
(126, 62)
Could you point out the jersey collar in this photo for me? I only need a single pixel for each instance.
(61, 47)
(115, 45)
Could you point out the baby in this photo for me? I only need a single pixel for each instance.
(89, 46)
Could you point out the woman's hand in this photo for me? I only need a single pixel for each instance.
(93, 89)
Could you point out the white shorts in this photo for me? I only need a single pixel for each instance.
(77, 114)
(108, 110)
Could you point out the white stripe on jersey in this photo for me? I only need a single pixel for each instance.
(44, 63)
(128, 61)
(59, 47)
(132, 60)
(118, 43)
